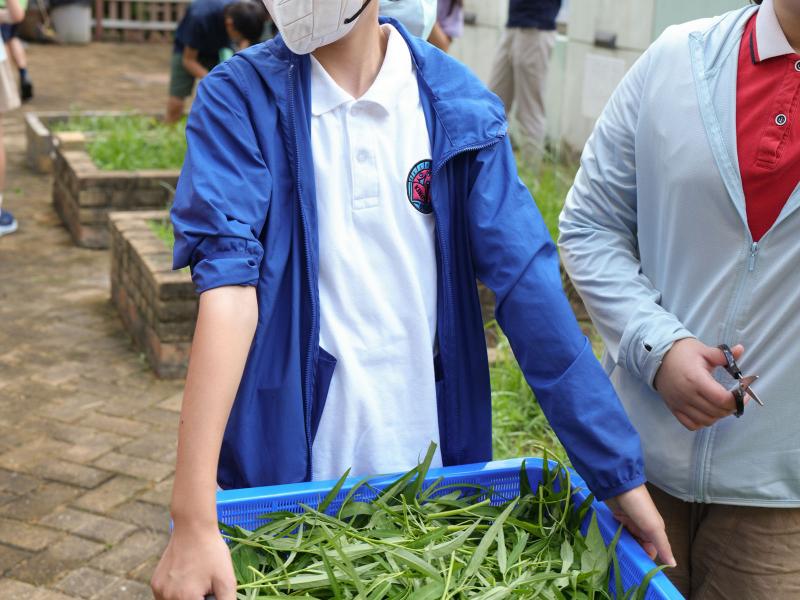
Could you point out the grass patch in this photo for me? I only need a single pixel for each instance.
(99, 123)
(519, 427)
(163, 230)
(549, 189)
(129, 145)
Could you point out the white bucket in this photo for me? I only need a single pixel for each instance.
(73, 23)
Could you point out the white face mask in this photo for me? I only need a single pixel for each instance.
(309, 24)
(418, 16)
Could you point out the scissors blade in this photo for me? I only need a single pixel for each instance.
(745, 383)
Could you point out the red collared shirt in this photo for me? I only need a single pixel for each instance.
(767, 115)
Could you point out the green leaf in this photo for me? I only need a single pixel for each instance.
(483, 548)
(326, 502)
(595, 558)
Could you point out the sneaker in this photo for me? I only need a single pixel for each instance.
(26, 90)
(8, 224)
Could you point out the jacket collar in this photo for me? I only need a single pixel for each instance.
(466, 112)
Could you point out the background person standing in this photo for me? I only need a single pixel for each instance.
(519, 71)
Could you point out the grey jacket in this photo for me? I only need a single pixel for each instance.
(655, 238)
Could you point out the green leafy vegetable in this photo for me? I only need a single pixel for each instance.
(430, 541)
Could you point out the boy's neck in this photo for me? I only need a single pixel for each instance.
(788, 13)
(354, 61)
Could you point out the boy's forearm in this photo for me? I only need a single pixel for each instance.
(192, 64)
(226, 323)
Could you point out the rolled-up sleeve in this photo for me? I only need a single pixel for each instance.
(223, 192)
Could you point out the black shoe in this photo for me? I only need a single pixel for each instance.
(26, 90)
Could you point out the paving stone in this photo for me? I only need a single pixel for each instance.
(75, 474)
(66, 554)
(89, 525)
(26, 536)
(40, 502)
(113, 492)
(131, 552)
(160, 494)
(159, 446)
(163, 418)
(172, 403)
(144, 515)
(17, 483)
(115, 424)
(86, 582)
(12, 589)
(134, 466)
(144, 572)
(10, 557)
(127, 589)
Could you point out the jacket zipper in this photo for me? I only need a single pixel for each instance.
(447, 284)
(706, 435)
(310, 353)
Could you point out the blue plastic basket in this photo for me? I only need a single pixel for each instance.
(245, 507)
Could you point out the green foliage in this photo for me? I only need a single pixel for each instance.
(92, 124)
(163, 229)
(429, 541)
(549, 188)
(130, 144)
(519, 425)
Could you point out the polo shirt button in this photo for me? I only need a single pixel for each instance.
(797, 66)
(362, 156)
(780, 120)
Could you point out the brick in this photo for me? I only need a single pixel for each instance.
(75, 474)
(96, 527)
(86, 582)
(172, 403)
(110, 494)
(134, 466)
(40, 502)
(129, 590)
(17, 483)
(144, 515)
(11, 557)
(46, 567)
(155, 416)
(115, 424)
(26, 457)
(12, 590)
(160, 494)
(25, 536)
(158, 446)
(131, 552)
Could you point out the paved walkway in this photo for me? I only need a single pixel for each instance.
(87, 434)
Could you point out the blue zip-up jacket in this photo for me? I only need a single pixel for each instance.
(245, 214)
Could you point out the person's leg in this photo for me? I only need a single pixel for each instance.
(531, 59)
(181, 84)
(747, 552)
(16, 50)
(677, 516)
(501, 80)
(8, 224)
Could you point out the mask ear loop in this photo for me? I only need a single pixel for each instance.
(358, 12)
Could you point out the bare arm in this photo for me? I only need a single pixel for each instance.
(439, 38)
(196, 560)
(13, 13)
(192, 64)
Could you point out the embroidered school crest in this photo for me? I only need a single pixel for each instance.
(418, 186)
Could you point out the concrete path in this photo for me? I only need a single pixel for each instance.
(87, 433)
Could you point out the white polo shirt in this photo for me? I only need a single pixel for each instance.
(377, 279)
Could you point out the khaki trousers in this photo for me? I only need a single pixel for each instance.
(732, 552)
(519, 73)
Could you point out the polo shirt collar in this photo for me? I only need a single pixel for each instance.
(770, 41)
(388, 87)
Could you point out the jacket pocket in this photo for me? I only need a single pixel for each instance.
(326, 364)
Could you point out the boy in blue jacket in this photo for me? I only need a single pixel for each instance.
(344, 187)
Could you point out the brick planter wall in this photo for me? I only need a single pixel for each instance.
(158, 306)
(83, 195)
(40, 140)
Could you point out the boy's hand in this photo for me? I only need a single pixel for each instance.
(685, 383)
(636, 511)
(196, 562)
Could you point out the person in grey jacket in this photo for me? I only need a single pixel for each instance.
(680, 234)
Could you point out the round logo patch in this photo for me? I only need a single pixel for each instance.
(418, 186)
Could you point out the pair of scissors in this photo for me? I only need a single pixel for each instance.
(744, 381)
